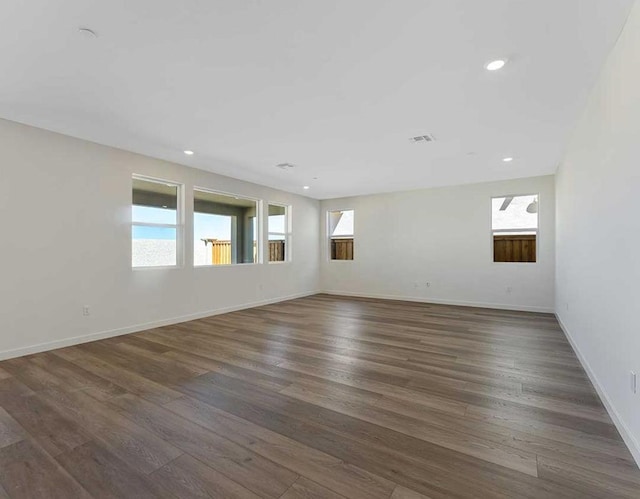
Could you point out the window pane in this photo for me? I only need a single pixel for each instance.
(212, 237)
(152, 215)
(153, 246)
(341, 226)
(515, 227)
(515, 212)
(224, 229)
(341, 223)
(154, 202)
(276, 226)
(277, 233)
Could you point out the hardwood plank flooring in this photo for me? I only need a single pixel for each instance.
(320, 397)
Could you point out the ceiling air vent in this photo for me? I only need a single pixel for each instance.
(284, 166)
(423, 138)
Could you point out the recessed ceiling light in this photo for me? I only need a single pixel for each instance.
(87, 33)
(306, 187)
(507, 160)
(495, 65)
(188, 153)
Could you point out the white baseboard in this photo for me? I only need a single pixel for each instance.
(627, 436)
(101, 335)
(421, 299)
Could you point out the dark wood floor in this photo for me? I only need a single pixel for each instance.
(320, 397)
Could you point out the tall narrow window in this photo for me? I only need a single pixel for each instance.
(155, 228)
(341, 225)
(225, 230)
(515, 228)
(279, 233)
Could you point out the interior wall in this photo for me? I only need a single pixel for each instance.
(598, 190)
(66, 206)
(442, 237)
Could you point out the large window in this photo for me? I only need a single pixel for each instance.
(224, 229)
(155, 228)
(279, 233)
(341, 230)
(515, 228)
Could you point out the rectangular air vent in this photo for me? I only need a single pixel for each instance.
(423, 138)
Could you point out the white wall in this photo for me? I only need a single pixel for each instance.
(598, 251)
(442, 236)
(66, 243)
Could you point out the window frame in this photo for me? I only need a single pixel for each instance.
(178, 226)
(507, 231)
(330, 237)
(288, 233)
(258, 226)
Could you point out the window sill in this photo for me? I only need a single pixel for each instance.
(159, 267)
(515, 263)
(224, 265)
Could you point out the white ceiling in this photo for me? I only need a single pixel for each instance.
(335, 87)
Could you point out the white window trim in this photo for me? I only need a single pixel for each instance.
(179, 225)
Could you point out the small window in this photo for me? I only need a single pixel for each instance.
(341, 234)
(155, 223)
(224, 229)
(515, 228)
(279, 233)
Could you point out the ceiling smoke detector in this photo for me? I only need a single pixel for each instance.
(285, 166)
(423, 138)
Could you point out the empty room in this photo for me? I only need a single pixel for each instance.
(307, 249)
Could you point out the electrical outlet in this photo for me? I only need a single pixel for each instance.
(634, 382)
(86, 310)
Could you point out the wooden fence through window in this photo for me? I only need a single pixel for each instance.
(342, 249)
(276, 251)
(221, 251)
(514, 248)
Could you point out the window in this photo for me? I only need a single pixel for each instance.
(515, 228)
(341, 234)
(155, 228)
(225, 231)
(279, 233)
